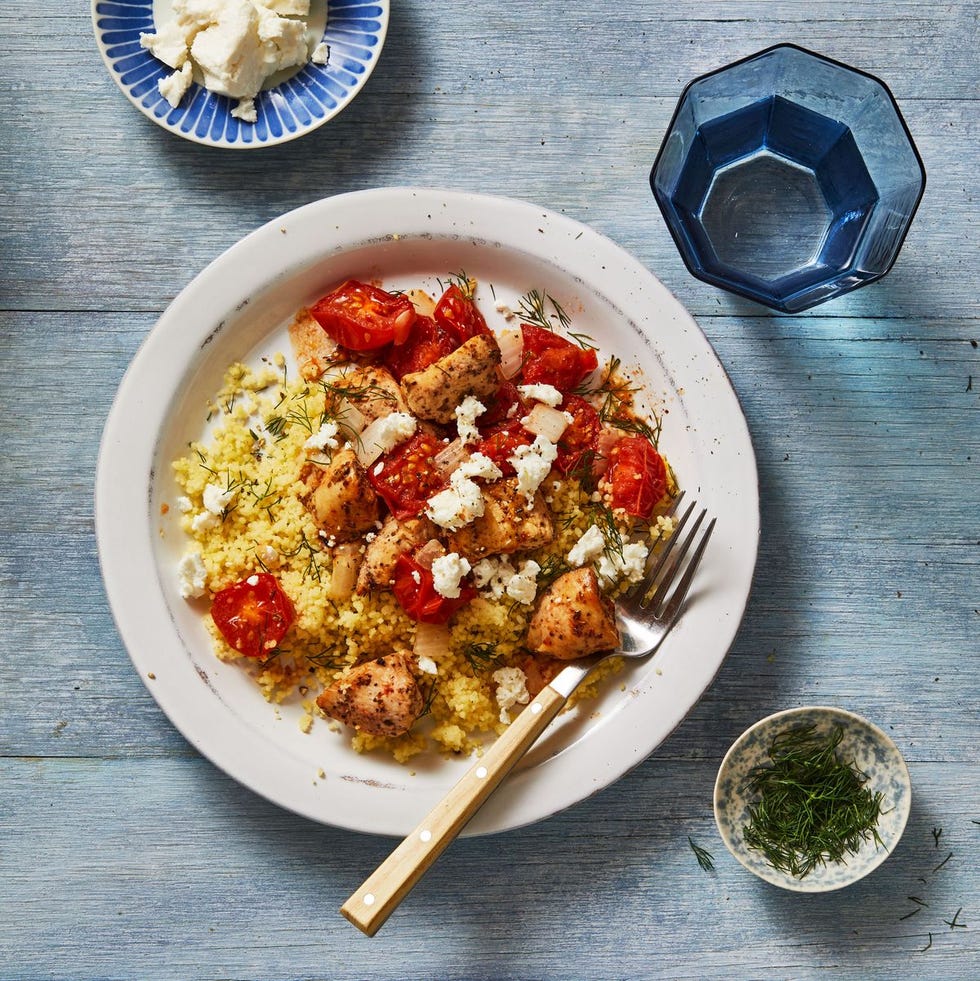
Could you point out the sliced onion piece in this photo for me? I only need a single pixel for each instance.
(424, 305)
(511, 343)
(376, 438)
(429, 552)
(343, 575)
(431, 642)
(545, 421)
(608, 438)
(449, 458)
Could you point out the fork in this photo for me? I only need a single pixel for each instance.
(645, 615)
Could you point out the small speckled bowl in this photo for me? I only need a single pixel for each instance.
(864, 744)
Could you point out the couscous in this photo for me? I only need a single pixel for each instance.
(412, 519)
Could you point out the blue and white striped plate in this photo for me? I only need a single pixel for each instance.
(291, 106)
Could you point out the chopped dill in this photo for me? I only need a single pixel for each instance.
(812, 808)
(954, 923)
(705, 858)
(330, 659)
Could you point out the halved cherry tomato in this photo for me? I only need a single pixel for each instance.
(637, 476)
(406, 477)
(254, 614)
(553, 360)
(504, 405)
(414, 588)
(426, 344)
(499, 443)
(361, 317)
(458, 314)
(580, 440)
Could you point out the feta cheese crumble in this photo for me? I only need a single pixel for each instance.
(466, 413)
(191, 576)
(448, 572)
(630, 565)
(588, 548)
(532, 464)
(462, 501)
(523, 585)
(217, 498)
(234, 45)
(547, 394)
(325, 437)
(511, 690)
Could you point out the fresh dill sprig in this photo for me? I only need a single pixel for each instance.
(811, 807)
(312, 569)
(428, 697)
(605, 521)
(616, 407)
(551, 568)
(463, 283)
(533, 309)
(705, 859)
(481, 655)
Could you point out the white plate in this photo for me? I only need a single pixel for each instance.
(237, 308)
(291, 103)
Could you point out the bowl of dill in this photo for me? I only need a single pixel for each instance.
(812, 799)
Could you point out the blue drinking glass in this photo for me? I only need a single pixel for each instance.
(788, 178)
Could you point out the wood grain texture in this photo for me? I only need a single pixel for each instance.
(123, 854)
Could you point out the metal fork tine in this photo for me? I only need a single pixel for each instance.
(671, 574)
(673, 607)
(650, 577)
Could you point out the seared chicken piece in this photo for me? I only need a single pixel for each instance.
(312, 347)
(373, 391)
(381, 697)
(339, 496)
(540, 671)
(471, 369)
(382, 553)
(573, 618)
(508, 524)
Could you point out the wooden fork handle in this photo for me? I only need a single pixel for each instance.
(384, 889)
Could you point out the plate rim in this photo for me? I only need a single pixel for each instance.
(422, 199)
(224, 144)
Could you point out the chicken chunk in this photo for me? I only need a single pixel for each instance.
(380, 697)
(573, 618)
(508, 524)
(471, 369)
(340, 496)
(395, 539)
(372, 390)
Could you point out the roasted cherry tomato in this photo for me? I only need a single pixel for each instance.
(553, 360)
(427, 343)
(504, 405)
(406, 477)
(499, 443)
(457, 313)
(415, 591)
(361, 317)
(637, 476)
(580, 440)
(253, 615)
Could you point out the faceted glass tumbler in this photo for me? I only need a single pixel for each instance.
(788, 178)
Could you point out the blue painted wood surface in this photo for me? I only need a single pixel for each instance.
(124, 855)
